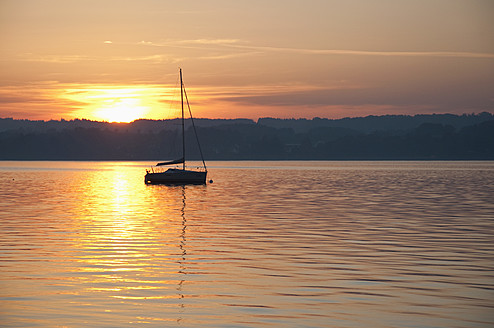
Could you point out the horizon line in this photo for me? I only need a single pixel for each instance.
(247, 119)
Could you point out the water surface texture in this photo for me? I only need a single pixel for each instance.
(281, 244)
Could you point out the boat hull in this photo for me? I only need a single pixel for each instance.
(174, 176)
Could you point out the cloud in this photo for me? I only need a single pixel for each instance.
(440, 98)
(212, 41)
(177, 43)
(35, 100)
(71, 59)
(229, 56)
(369, 53)
(279, 95)
(56, 59)
(150, 58)
(256, 49)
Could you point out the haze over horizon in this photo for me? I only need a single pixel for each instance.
(118, 60)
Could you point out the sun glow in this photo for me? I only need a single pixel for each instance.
(122, 110)
(121, 103)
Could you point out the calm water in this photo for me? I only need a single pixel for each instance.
(281, 244)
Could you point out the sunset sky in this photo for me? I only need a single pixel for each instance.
(118, 60)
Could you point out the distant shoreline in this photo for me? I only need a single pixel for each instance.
(442, 137)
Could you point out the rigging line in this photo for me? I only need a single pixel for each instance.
(194, 126)
(173, 102)
(174, 105)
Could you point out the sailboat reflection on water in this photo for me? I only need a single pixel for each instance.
(183, 260)
(176, 175)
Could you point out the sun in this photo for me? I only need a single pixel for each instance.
(118, 105)
(121, 110)
(122, 104)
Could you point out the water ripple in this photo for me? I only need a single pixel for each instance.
(314, 244)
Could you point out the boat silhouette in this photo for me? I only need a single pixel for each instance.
(179, 175)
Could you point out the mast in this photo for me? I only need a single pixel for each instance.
(183, 127)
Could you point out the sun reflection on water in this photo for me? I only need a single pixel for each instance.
(125, 252)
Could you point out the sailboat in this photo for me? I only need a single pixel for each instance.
(179, 175)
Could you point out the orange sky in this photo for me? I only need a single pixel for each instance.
(118, 60)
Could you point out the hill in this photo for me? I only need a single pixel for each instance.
(398, 137)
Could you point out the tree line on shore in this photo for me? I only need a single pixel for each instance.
(389, 137)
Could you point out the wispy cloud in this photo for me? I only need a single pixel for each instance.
(212, 41)
(36, 100)
(256, 49)
(368, 53)
(214, 49)
(178, 43)
(229, 56)
(150, 58)
(56, 59)
(71, 59)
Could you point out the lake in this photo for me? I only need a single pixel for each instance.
(267, 244)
